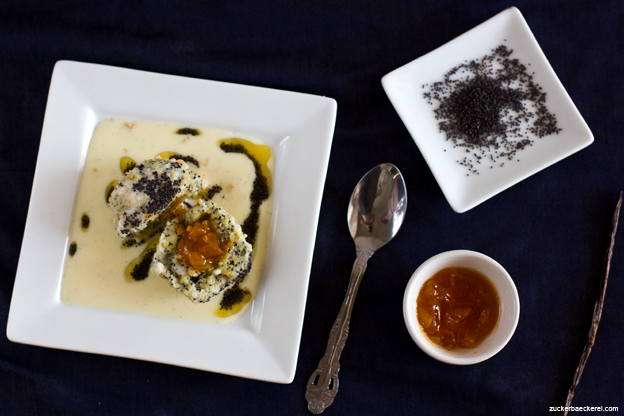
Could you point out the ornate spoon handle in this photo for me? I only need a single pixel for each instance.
(323, 384)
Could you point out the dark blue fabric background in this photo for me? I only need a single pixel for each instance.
(549, 231)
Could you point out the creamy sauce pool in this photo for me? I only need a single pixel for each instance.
(94, 275)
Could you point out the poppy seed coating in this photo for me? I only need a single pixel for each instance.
(149, 191)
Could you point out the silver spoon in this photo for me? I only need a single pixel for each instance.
(375, 214)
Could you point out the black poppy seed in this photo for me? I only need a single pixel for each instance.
(141, 270)
(211, 192)
(188, 130)
(85, 221)
(483, 110)
(73, 247)
(259, 193)
(161, 190)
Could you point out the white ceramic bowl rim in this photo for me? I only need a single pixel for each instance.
(509, 313)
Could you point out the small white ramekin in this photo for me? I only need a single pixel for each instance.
(509, 302)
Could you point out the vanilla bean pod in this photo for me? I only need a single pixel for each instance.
(591, 337)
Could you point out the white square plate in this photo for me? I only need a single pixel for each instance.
(264, 343)
(463, 191)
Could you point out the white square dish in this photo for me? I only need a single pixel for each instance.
(264, 343)
(466, 189)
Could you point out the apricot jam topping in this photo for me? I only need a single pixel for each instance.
(457, 307)
(200, 247)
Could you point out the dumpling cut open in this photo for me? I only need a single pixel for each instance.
(202, 252)
(148, 192)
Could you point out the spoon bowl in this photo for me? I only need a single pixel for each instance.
(377, 207)
(375, 214)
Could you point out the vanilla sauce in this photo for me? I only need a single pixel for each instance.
(95, 275)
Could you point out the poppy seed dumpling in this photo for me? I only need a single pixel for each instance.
(149, 191)
(201, 285)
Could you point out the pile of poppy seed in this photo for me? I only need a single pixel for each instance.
(492, 108)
